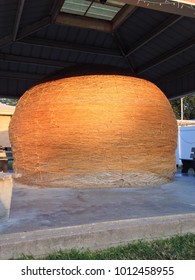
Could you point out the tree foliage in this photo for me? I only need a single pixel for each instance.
(9, 101)
(188, 107)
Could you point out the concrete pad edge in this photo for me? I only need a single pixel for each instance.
(94, 236)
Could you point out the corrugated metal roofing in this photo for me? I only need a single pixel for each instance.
(77, 35)
(7, 11)
(180, 61)
(141, 22)
(13, 88)
(43, 49)
(35, 10)
(181, 32)
(180, 85)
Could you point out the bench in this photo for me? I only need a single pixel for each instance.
(189, 163)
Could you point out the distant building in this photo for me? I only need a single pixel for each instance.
(6, 113)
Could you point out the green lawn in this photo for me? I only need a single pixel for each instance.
(175, 248)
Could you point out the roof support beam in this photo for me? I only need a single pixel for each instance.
(70, 46)
(167, 55)
(121, 48)
(34, 61)
(25, 31)
(29, 29)
(154, 33)
(56, 9)
(84, 22)
(18, 18)
(167, 6)
(122, 15)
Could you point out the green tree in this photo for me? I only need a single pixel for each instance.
(9, 101)
(188, 107)
(176, 105)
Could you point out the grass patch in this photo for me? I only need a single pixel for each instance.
(174, 248)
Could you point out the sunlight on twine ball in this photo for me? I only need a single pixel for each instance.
(94, 131)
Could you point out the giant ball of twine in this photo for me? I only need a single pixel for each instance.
(94, 131)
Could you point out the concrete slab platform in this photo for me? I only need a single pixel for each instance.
(67, 218)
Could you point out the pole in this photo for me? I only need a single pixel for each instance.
(182, 108)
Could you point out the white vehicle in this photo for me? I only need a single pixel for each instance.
(186, 147)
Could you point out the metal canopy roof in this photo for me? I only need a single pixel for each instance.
(154, 39)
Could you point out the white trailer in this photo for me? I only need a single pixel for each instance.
(186, 147)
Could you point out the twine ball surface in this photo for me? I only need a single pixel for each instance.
(94, 131)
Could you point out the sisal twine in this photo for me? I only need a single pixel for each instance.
(94, 131)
